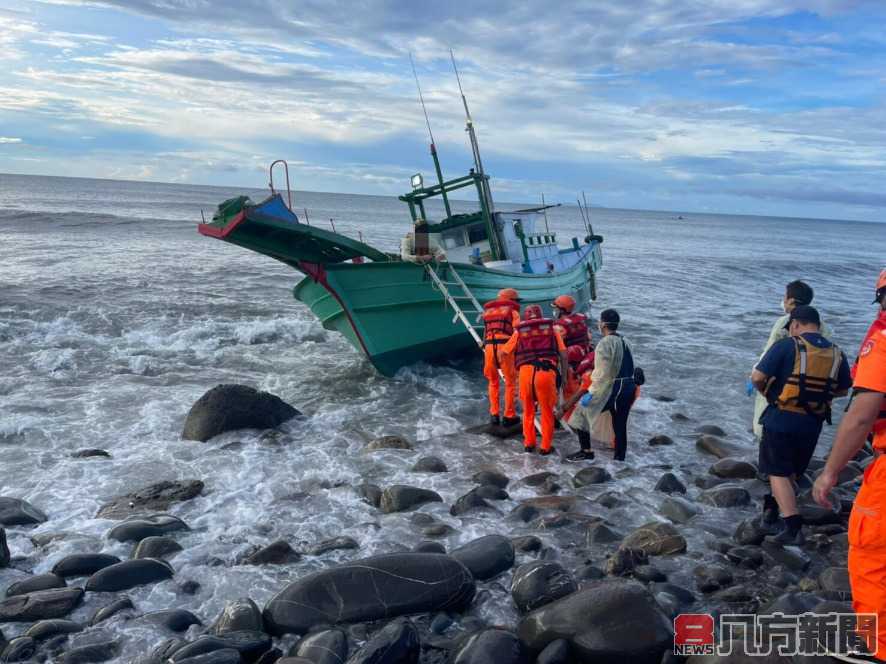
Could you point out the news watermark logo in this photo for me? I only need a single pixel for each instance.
(786, 635)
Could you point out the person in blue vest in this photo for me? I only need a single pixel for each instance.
(799, 376)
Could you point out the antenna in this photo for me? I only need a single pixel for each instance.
(545, 213)
(431, 135)
(590, 226)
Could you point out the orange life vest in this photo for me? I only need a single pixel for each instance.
(878, 326)
(537, 344)
(498, 317)
(810, 387)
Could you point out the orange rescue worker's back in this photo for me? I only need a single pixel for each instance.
(500, 318)
(867, 523)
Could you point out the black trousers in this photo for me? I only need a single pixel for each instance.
(619, 407)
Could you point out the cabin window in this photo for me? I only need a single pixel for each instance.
(477, 233)
(453, 239)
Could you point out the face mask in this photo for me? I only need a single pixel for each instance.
(784, 306)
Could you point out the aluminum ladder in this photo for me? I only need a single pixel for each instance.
(453, 300)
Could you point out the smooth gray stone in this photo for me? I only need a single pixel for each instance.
(430, 464)
(710, 577)
(276, 553)
(649, 574)
(220, 656)
(711, 430)
(486, 556)
(490, 645)
(395, 643)
(491, 492)
(658, 538)
(527, 544)
(135, 529)
(734, 469)
(240, 615)
(370, 493)
(612, 620)
(791, 557)
(668, 483)
(327, 647)
(96, 652)
(677, 509)
(750, 531)
(90, 453)
(492, 477)
(661, 439)
(716, 447)
(726, 496)
(231, 407)
(538, 479)
(46, 629)
(175, 620)
(112, 609)
(429, 547)
(129, 574)
(40, 605)
(156, 546)
(400, 497)
(538, 583)
(153, 498)
(835, 579)
(5, 555)
(20, 649)
(335, 544)
(749, 557)
(200, 646)
(371, 589)
(600, 533)
(591, 475)
(34, 583)
(17, 512)
(468, 502)
(83, 564)
(556, 652)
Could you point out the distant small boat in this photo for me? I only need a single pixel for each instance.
(423, 303)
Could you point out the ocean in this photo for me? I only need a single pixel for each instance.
(115, 316)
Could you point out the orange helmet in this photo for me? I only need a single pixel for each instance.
(532, 312)
(575, 354)
(564, 303)
(881, 286)
(508, 294)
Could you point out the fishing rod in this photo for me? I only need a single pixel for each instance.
(421, 99)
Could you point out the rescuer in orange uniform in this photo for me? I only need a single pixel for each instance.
(867, 523)
(500, 318)
(573, 327)
(540, 357)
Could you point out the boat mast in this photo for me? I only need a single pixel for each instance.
(483, 182)
(431, 135)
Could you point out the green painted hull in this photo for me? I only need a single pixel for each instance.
(393, 314)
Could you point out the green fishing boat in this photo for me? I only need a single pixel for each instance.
(421, 304)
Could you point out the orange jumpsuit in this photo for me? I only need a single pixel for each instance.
(495, 359)
(538, 386)
(867, 523)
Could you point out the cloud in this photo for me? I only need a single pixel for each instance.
(6, 140)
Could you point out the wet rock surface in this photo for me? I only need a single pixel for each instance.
(370, 589)
(40, 605)
(83, 564)
(389, 443)
(401, 497)
(538, 583)
(276, 553)
(231, 407)
(17, 512)
(487, 556)
(34, 583)
(656, 538)
(137, 528)
(490, 645)
(153, 498)
(129, 574)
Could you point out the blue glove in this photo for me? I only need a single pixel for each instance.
(749, 387)
(586, 400)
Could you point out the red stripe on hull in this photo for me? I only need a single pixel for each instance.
(222, 233)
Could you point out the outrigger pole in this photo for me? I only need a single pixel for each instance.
(431, 135)
(483, 182)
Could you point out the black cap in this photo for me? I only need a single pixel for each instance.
(609, 316)
(806, 313)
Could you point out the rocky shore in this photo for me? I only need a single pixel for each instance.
(586, 569)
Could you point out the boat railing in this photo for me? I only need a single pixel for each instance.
(541, 239)
(271, 182)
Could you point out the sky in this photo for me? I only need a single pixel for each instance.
(773, 107)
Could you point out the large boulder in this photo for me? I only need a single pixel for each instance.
(16, 512)
(395, 643)
(152, 498)
(490, 645)
(157, 546)
(229, 407)
(327, 647)
(607, 621)
(400, 497)
(384, 586)
(41, 605)
(734, 469)
(658, 538)
(726, 496)
(430, 464)
(83, 564)
(239, 615)
(716, 447)
(541, 582)
(677, 509)
(487, 556)
(469, 502)
(34, 583)
(46, 629)
(493, 477)
(137, 528)
(129, 574)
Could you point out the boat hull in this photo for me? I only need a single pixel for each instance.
(392, 312)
